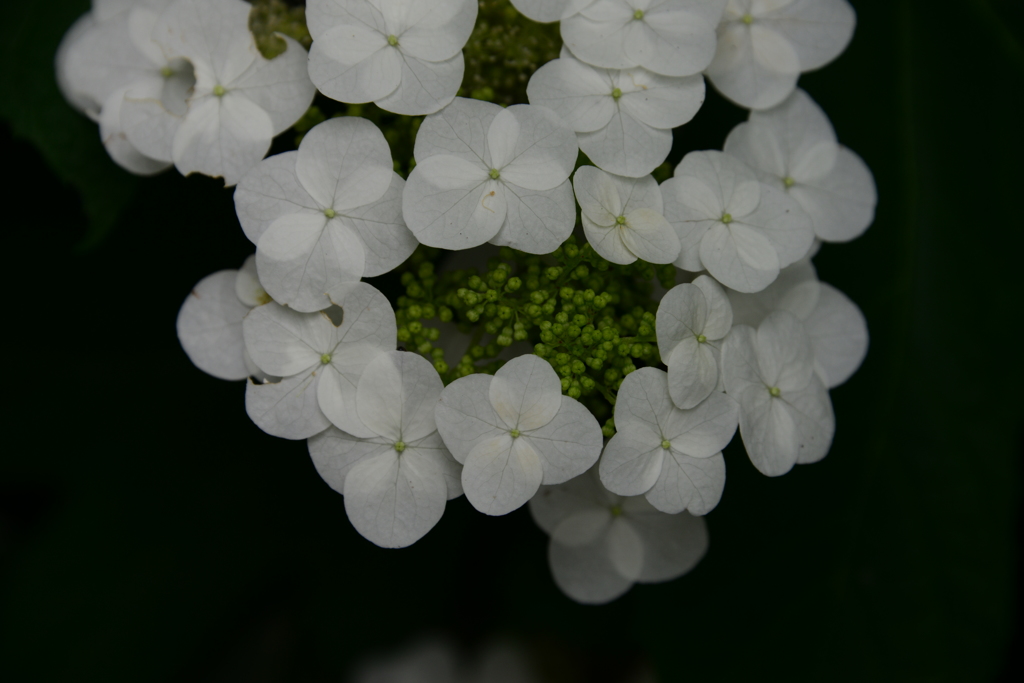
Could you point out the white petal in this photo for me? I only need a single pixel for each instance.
(630, 467)
(459, 130)
(397, 394)
(682, 313)
(284, 342)
(338, 392)
(784, 352)
(607, 242)
(754, 66)
(692, 372)
(739, 257)
(795, 290)
(387, 241)
(222, 137)
(811, 411)
(583, 527)
(625, 549)
(269, 190)
(719, 319)
(569, 444)
(597, 35)
(739, 364)
(287, 409)
(532, 147)
(465, 417)
(648, 235)
(536, 222)
(785, 224)
(247, 284)
(669, 42)
(116, 142)
(818, 30)
(691, 484)
(639, 193)
(501, 474)
(703, 431)
(345, 163)
(577, 92)
(598, 195)
(526, 393)
(280, 86)
(586, 573)
(660, 101)
(542, 11)
(839, 336)
(303, 256)
(210, 326)
(394, 499)
(213, 35)
(335, 453)
(626, 146)
(452, 204)
(152, 112)
(841, 204)
(353, 63)
(101, 60)
(425, 87)
(432, 447)
(65, 66)
(322, 16)
(673, 544)
(438, 28)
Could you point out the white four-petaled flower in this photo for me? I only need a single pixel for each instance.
(623, 118)
(785, 411)
(326, 215)
(763, 45)
(601, 543)
(403, 55)
(794, 146)
(740, 230)
(692, 320)
(671, 455)
(396, 481)
(622, 217)
(515, 431)
(484, 173)
(668, 37)
(319, 358)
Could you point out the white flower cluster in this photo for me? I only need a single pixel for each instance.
(181, 82)
(751, 339)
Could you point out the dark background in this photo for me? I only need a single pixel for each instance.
(149, 531)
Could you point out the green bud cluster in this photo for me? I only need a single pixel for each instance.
(503, 51)
(270, 17)
(593, 321)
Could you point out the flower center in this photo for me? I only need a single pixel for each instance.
(495, 174)
(775, 391)
(666, 444)
(788, 182)
(638, 15)
(515, 433)
(701, 339)
(219, 90)
(325, 359)
(621, 220)
(263, 298)
(167, 72)
(616, 510)
(329, 213)
(399, 446)
(727, 218)
(617, 93)
(748, 18)
(392, 40)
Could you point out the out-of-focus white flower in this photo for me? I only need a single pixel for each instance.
(326, 215)
(395, 482)
(623, 118)
(692, 320)
(785, 412)
(836, 326)
(668, 37)
(403, 55)
(622, 217)
(763, 45)
(210, 322)
(671, 455)
(319, 360)
(738, 229)
(484, 173)
(240, 100)
(793, 146)
(64, 66)
(601, 543)
(515, 431)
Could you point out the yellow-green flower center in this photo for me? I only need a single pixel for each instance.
(495, 174)
(329, 213)
(392, 40)
(748, 18)
(639, 14)
(616, 510)
(219, 90)
(515, 433)
(727, 218)
(775, 391)
(788, 181)
(325, 359)
(399, 446)
(666, 444)
(167, 72)
(617, 93)
(621, 220)
(701, 339)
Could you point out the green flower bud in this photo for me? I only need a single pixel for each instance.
(553, 273)
(547, 336)
(403, 334)
(444, 314)
(414, 312)
(565, 384)
(565, 371)
(513, 284)
(440, 366)
(574, 392)
(566, 292)
(571, 250)
(578, 368)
